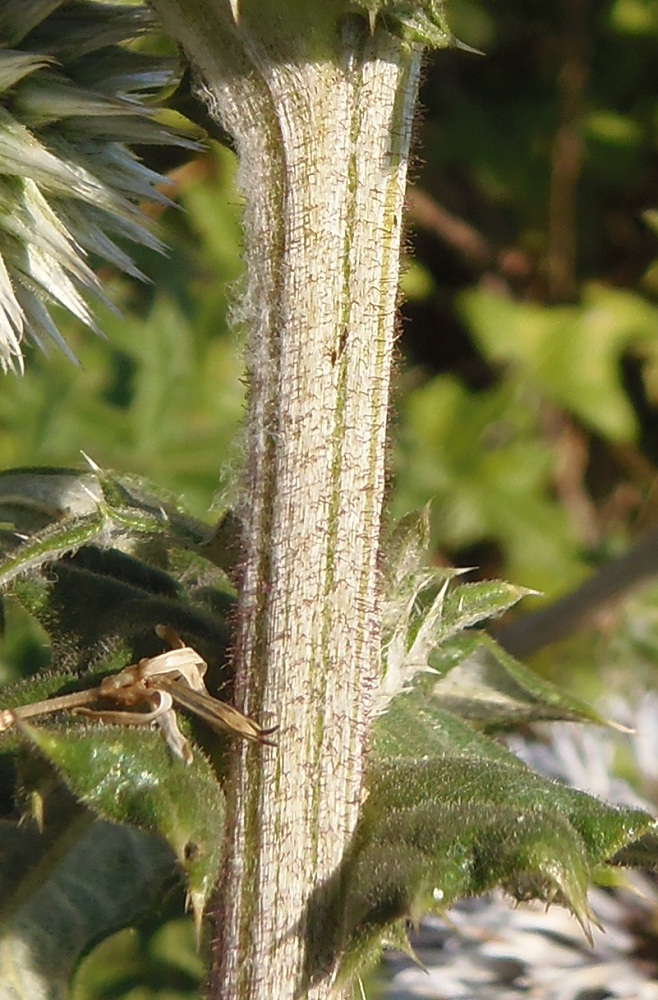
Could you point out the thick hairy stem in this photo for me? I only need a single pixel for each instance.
(322, 125)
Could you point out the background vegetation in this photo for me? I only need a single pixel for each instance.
(528, 369)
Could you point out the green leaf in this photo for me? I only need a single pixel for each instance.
(450, 813)
(482, 683)
(420, 21)
(456, 820)
(415, 727)
(413, 627)
(471, 603)
(124, 597)
(124, 600)
(62, 889)
(33, 498)
(48, 545)
(641, 853)
(573, 352)
(128, 776)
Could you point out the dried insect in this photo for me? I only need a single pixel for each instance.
(156, 682)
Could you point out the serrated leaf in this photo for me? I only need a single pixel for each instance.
(481, 682)
(31, 498)
(133, 505)
(55, 515)
(50, 544)
(455, 822)
(451, 612)
(472, 603)
(420, 21)
(409, 638)
(413, 628)
(124, 600)
(502, 782)
(128, 776)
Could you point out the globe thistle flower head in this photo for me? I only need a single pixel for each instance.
(72, 99)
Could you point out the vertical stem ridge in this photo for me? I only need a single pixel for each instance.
(322, 124)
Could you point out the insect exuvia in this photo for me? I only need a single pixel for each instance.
(158, 683)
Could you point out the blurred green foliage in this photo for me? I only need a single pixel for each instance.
(162, 395)
(527, 402)
(531, 304)
(158, 961)
(527, 394)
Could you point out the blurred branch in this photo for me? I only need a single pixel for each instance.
(465, 239)
(567, 156)
(572, 612)
(425, 211)
(570, 444)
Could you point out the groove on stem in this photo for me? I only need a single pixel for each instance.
(321, 118)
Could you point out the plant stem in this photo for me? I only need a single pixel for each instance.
(321, 116)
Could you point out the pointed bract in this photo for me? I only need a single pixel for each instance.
(68, 182)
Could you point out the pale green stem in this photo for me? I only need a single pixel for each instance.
(322, 125)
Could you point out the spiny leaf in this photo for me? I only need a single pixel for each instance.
(31, 498)
(125, 596)
(450, 813)
(421, 21)
(415, 624)
(48, 545)
(107, 510)
(481, 682)
(453, 823)
(128, 776)
(472, 603)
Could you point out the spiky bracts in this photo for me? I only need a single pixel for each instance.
(419, 21)
(70, 103)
